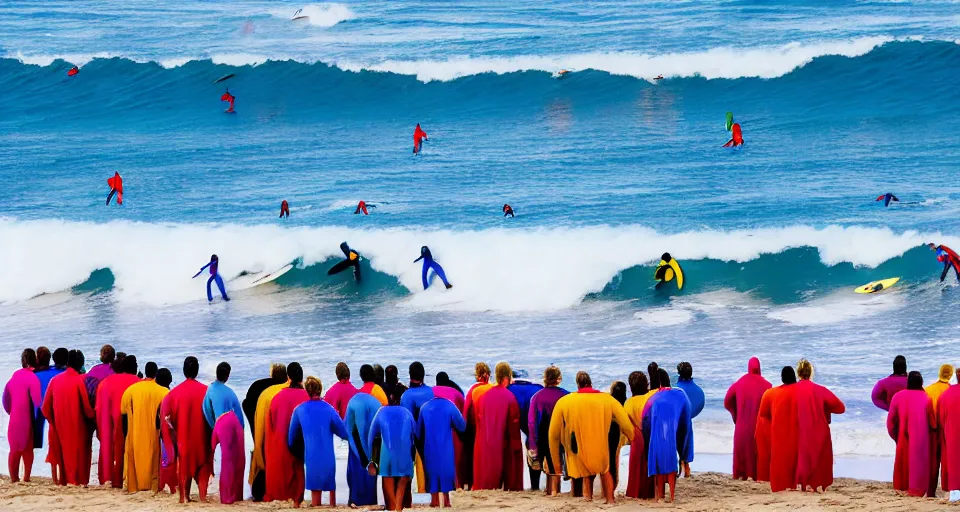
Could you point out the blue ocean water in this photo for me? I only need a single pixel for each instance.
(606, 169)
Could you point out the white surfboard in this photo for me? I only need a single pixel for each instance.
(250, 280)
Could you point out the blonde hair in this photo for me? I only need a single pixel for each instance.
(804, 369)
(481, 369)
(503, 371)
(313, 386)
(946, 371)
(552, 376)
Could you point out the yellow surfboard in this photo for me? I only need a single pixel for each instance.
(876, 286)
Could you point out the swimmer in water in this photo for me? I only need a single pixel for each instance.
(507, 210)
(284, 209)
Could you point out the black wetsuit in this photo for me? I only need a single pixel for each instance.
(352, 259)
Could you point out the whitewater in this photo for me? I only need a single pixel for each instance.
(606, 169)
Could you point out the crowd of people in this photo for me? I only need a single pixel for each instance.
(153, 438)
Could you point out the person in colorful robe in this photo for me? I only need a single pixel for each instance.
(369, 377)
(284, 473)
(109, 423)
(169, 474)
(186, 432)
(71, 422)
(342, 391)
(412, 399)
(778, 434)
(542, 404)
(639, 485)
(935, 390)
(46, 373)
(815, 405)
(669, 422)
(948, 415)
(258, 426)
(497, 449)
(361, 410)
(444, 380)
(524, 390)
(743, 403)
(228, 433)
(99, 372)
(912, 424)
(438, 418)
(391, 436)
(481, 386)
(220, 398)
(888, 386)
(139, 410)
(21, 401)
(312, 427)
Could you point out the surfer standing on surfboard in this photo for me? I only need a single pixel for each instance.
(214, 276)
(229, 98)
(418, 137)
(948, 257)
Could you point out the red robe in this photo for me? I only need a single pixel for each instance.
(815, 404)
(948, 412)
(743, 402)
(68, 410)
(184, 428)
(913, 425)
(109, 427)
(465, 469)
(418, 136)
(497, 451)
(778, 443)
(285, 479)
(116, 183)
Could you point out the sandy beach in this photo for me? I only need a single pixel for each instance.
(705, 491)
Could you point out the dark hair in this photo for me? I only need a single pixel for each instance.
(666, 257)
(653, 372)
(191, 367)
(75, 360)
(899, 365)
(379, 373)
(391, 375)
(618, 390)
(28, 359)
(43, 356)
(367, 374)
(130, 364)
(150, 370)
(444, 380)
(342, 371)
(117, 364)
(394, 398)
(914, 380)
(295, 373)
(417, 371)
(685, 371)
(788, 375)
(583, 380)
(638, 383)
(664, 378)
(60, 356)
(223, 371)
(213, 257)
(107, 354)
(164, 377)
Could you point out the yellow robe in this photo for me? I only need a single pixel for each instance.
(935, 390)
(141, 403)
(257, 461)
(587, 416)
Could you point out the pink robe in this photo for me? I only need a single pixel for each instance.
(109, 427)
(21, 400)
(815, 404)
(285, 478)
(497, 451)
(912, 424)
(229, 435)
(743, 402)
(339, 396)
(948, 412)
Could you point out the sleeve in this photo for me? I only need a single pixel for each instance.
(730, 402)
(238, 409)
(458, 422)
(557, 423)
(879, 396)
(7, 399)
(686, 441)
(766, 411)
(833, 405)
(166, 429)
(208, 409)
(337, 426)
(419, 429)
(621, 418)
(35, 397)
(47, 408)
(214, 441)
(893, 420)
(531, 420)
(295, 430)
(932, 417)
(374, 430)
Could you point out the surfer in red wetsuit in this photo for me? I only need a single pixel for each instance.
(73, 71)
(418, 137)
(116, 187)
(230, 98)
(284, 209)
(507, 210)
(737, 139)
(948, 257)
(362, 206)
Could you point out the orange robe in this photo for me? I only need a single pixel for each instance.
(285, 478)
(778, 452)
(109, 427)
(815, 404)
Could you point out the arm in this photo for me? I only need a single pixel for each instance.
(832, 404)
(532, 424)
(294, 432)
(201, 270)
(237, 409)
(556, 433)
(7, 399)
(879, 395)
(893, 423)
(621, 418)
(166, 430)
(459, 423)
(730, 402)
(418, 259)
(208, 410)
(338, 428)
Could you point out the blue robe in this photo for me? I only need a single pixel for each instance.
(438, 418)
(524, 391)
(315, 422)
(218, 400)
(414, 398)
(360, 412)
(40, 421)
(669, 424)
(394, 425)
(694, 394)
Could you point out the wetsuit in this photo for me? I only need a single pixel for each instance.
(949, 258)
(214, 276)
(284, 209)
(429, 264)
(886, 198)
(361, 207)
(418, 137)
(507, 210)
(116, 188)
(352, 259)
(737, 139)
(230, 98)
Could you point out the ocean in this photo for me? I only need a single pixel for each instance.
(606, 169)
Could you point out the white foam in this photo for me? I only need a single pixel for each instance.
(663, 317)
(323, 15)
(839, 307)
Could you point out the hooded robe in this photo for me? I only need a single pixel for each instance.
(228, 433)
(67, 409)
(314, 424)
(21, 400)
(913, 425)
(438, 418)
(186, 433)
(284, 472)
(497, 449)
(109, 427)
(743, 402)
(141, 404)
(815, 404)
(360, 413)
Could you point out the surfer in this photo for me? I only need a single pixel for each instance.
(562, 73)
(667, 269)
(507, 210)
(73, 71)
(737, 139)
(418, 137)
(886, 198)
(116, 187)
(284, 209)
(658, 77)
(429, 264)
(229, 98)
(214, 276)
(351, 259)
(362, 207)
(948, 257)
(729, 123)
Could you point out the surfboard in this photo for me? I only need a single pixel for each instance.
(298, 18)
(876, 286)
(245, 281)
(224, 77)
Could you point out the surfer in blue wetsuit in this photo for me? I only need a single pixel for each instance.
(214, 276)
(886, 198)
(429, 264)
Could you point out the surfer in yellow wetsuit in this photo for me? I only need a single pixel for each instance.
(667, 270)
(580, 424)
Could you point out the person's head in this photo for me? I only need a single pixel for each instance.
(583, 380)
(75, 360)
(638, 383)
(482, 372)
(899, 365)
(223, 372)
(946, 371)
(367, 374)
(117, 365)
(60, 357)
(130, 364)
(804, 369)
(685, 371)
(314, 387)
(666, 257)
(191, 367)
(788, 376)
(443, 379)
(618, 390)
(914, 381)
(378, 372)
(344, 247)
(213, 257)
(278, 373)
(295, 374)
(417, 372)
(107, 354)
(753, 366)
(503, 373)
(150, 370)
(342, 371)
(43, 357)
(932, 246)
(28, 359)
(653, 370)
(164, 377)
(424, 249)
(391, 375)
(664, 378)
(552, 376)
